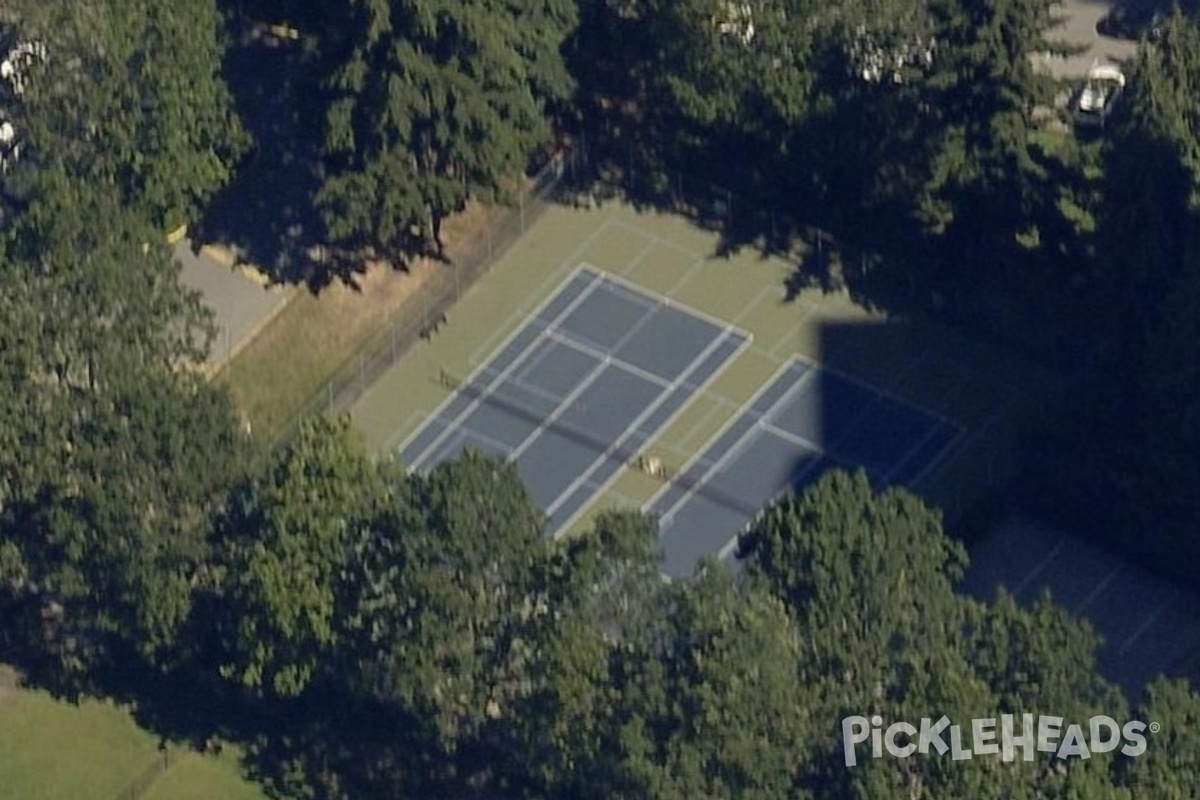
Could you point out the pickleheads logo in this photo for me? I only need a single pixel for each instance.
(902, 739)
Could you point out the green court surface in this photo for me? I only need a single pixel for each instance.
(980, 389)
(53, 750)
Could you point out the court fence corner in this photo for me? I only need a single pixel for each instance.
(423, 312)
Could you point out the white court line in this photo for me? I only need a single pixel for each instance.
(1039, 569)
(479, 370)
(743, 343)
(1145, 626)
(792, 438)
(791, 333)
(561, 408)
(413, 418)
(1100, 587)
(666, 300)
(567, 269)
(737, 415)
(888, 391)
(958, 444)
(654, 237)
(912, 451)
(719, 404)
(591, 377)
(504, 373)
(739, 446)
(471, 433)
(637, 421)
(598, 354)
(631, 264)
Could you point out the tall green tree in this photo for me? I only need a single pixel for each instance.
(430, 105)
(115, 452)
(441, 623)
(1170, 767)
(1136, 444)
(131, 98)
(286, 546)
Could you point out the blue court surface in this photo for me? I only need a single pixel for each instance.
(579, 390)
(804, 421)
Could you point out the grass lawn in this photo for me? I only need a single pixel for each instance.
(196, 777)
(53, 750)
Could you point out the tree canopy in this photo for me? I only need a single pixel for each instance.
(431, 105)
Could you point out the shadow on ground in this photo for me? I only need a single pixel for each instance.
(266, 216)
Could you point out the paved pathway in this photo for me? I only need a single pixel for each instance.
(242, 305)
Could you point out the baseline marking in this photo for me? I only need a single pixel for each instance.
(1145, 626)
(482, 368)
(504, 373)
(1100, 587)
(1039, 569)
(744, 342)
(739, 445)
(592, 375)
(666, 300)
(633, 426)
(567, 269)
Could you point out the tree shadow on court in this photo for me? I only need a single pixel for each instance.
(266, 217)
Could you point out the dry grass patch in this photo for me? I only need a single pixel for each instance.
(290, 362)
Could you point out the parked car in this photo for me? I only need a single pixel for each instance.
(1095, 101)
(1134, 24)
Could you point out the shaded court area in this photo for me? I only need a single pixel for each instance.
(577, 392)
(806, 420)
(1149, 626)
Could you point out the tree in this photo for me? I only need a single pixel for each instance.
(869, 580)
(286, 546)
(649, 689)
(984, 183)
(599, 600)
(431, 105)
(115, 452)
(131, 98)
(1142, 417)
(438, 626)
(1170, 767)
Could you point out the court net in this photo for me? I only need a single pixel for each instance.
(631, 456)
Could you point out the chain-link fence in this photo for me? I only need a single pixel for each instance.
(423, 312)
(139, 786)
